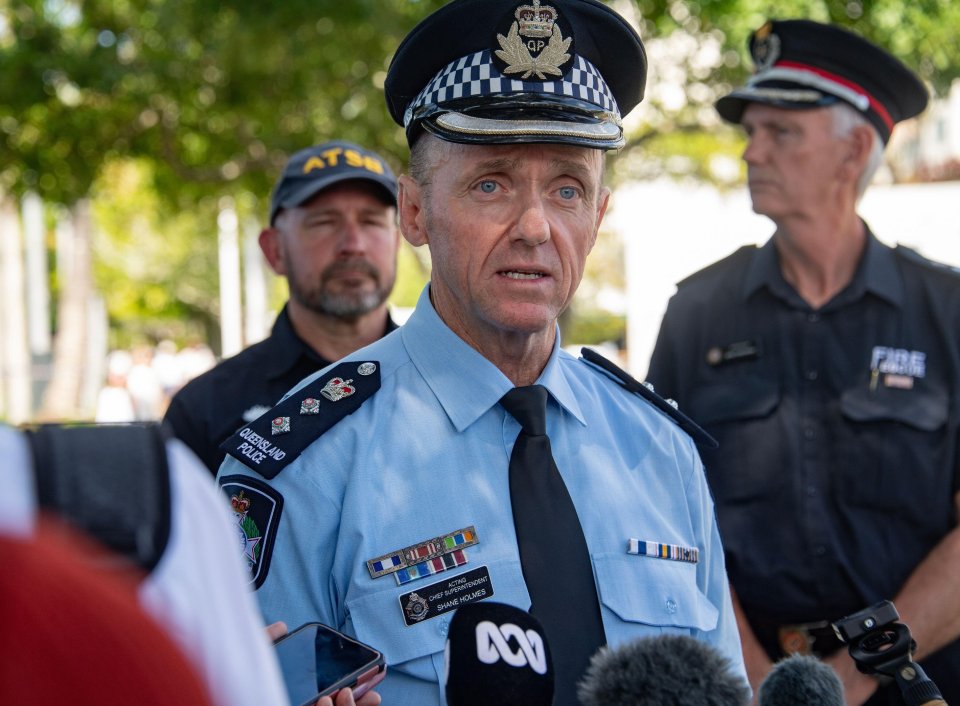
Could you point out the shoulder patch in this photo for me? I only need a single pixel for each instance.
(278, 437)
(631, 384)
(256, 509)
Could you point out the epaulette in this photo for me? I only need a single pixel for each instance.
(916, 258)
(278, 437)
(731, 259)
(631, 384)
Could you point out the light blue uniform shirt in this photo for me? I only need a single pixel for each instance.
(428, 454)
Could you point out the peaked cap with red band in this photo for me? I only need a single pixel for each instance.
(803, 64)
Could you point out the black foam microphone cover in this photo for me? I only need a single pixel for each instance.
(801, 680)
(666, 670)
(497, 654)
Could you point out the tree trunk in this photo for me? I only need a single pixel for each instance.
(15, 357)
(62, 398)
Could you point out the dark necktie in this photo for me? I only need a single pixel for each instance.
(553, 552)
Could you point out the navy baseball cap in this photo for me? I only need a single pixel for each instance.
(506, 71)
(801, 64)
(310, 171)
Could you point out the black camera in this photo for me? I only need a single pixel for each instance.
(880, 645)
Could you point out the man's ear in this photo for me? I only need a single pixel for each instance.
(410, 198)
(272, 247)
(858, 145)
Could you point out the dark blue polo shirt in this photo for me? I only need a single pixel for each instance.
(838, 427)
(212, 406)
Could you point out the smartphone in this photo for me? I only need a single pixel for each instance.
(317, 660)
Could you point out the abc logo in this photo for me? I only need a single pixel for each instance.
(493, 644)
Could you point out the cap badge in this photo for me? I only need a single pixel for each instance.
(310, 405)
(280, 425)
(525, 50)
(337, 388)
(766, 47)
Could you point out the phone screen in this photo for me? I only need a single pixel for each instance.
(316, 660)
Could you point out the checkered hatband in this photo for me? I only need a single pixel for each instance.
(476, 75)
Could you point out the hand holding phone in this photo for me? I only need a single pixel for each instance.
(317, 661)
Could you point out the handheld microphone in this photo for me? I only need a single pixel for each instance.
(497, 654)
(801, 680)
(667, 670)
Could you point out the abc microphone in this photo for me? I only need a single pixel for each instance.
(801, 680)
(666, 670)
(497, 654)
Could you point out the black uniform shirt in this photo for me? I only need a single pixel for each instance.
(838, 459)
(212, 406)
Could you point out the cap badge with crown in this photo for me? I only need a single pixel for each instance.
(534, 22)
(766, 49)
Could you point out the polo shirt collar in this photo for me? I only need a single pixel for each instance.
(287, 348)
(877, 273)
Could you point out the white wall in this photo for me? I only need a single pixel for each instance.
(672, 230)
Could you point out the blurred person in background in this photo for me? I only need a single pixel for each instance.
(332, 234)
(827, 365)
(114, 403)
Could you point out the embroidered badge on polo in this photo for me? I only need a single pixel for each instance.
(425, 558)
(896, 367)
(256, 510)
(659, 550)
(438, 598)
(278, 437)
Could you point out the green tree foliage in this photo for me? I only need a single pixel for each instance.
(206, 99)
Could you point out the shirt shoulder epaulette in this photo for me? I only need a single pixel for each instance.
(645, 390)
(912, 256)
(737, 258)
(276, 438)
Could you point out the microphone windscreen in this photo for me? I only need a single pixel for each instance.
(666, 670)
(800, 680)
(497, 654)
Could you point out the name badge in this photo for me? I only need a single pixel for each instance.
(438, 598)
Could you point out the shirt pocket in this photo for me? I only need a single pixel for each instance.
(740, 414)
(652, 596)
(377, 617)
(893, 445)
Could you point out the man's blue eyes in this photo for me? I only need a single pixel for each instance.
(566, 192)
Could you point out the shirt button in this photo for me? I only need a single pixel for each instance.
(812, 375)
(671, 606)
(444, 626)
(809, 433)
(819, 550)
(813, 318)
(811, 490)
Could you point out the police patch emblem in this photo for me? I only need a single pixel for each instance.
(256, 510)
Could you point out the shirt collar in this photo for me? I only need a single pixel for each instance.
(464, 382)
(288, 349)
(876, 273)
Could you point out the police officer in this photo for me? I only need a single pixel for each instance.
(828, 367)
(466, 455)
(333, 236)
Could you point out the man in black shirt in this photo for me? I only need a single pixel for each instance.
(827, 365)
(333, 236)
